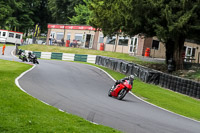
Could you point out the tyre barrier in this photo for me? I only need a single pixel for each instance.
(174, 83)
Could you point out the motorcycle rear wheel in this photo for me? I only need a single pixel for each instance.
(24, 59)
(121, 94)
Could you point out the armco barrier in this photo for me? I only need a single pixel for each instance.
(174, 83)
(57, 56)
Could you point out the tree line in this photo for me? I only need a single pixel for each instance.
(23, 15)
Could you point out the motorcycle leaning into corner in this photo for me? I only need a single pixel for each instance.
(22, 56)
(121, 87)
(32, 58)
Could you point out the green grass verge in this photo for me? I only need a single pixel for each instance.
(20, 113)
(194, 75)
(172, 101)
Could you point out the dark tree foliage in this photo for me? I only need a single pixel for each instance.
(5, 12)
(61, 10)
(23, 15)
(82, 14)
(105, 14)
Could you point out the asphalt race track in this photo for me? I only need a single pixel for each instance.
(82, 90)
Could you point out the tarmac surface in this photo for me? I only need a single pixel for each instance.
(82, 90)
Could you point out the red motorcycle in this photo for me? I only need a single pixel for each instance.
(119, 91)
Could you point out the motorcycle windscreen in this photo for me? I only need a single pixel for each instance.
(128, 85)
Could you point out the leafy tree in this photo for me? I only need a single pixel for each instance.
(105, 14)
(41, 13)
(16, 15)
(22, 15)
(5, 11)
(82, 14)
(62, 10)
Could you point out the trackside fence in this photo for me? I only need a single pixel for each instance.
(177, 84)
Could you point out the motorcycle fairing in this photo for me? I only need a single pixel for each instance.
(117, 89)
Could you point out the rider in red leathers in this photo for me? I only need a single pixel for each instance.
(130, 78)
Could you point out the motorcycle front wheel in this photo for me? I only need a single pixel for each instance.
(23, 59)
(109, 92)
(121, 94)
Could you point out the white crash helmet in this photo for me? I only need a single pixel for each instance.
(131, 77)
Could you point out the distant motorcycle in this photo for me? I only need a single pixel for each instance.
(119, 91)
(32, 58)
(22, 56)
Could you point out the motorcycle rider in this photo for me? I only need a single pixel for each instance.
(20, 52)
(130, 78)
(29, 56)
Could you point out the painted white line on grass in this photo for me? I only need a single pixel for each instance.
(21, 75)
(163, 108)
(18, 85)
(17, 82)
(12, 53)
(146, 101)
(104, 72)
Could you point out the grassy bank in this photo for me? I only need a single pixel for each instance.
(22, 113)
(175, 102)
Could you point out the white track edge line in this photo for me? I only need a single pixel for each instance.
(17, 83)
